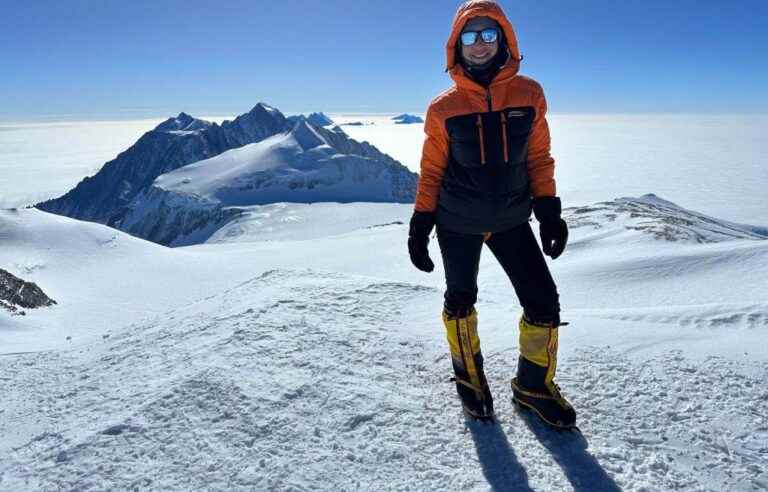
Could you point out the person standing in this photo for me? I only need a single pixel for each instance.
(485, 166)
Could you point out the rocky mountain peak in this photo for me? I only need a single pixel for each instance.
(183, 122)
(260, 122)
(306, 136)
(263, 110)
(319, 119)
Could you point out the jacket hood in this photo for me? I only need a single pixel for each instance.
(481, 8)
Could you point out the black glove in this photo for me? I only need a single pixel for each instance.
(418, 239)
(552, 228)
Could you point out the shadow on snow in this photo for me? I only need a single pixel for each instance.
(569, 449)
(499, 463)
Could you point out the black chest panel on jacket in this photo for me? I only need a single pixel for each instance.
(479, 139)
(486, 181)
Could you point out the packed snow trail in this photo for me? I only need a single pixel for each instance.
(299, 379)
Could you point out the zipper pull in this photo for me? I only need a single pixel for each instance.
(480, 135)
(504, 137)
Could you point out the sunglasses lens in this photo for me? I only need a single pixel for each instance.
(468, 38)
(489, 35)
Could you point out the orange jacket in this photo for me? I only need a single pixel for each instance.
(507, 90)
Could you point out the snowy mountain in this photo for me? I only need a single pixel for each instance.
(406, 118)
(307, 164)
(270, 362)
(172, 144)
(183, 123)
(314, 119)
(660, 218)
(304, 162)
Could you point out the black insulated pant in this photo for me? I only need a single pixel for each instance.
(521, 258)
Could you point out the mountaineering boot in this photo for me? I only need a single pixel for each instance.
(467, 360)
(534, 388)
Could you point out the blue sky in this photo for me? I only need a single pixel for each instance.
(154, 58)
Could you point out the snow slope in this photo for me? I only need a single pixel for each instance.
(295, 166)
(188, 205)
(301, 221)
(265, 361)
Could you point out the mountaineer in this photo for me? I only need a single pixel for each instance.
(485, 166)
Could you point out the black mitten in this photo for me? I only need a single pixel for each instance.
(418, 239)
(552, 228)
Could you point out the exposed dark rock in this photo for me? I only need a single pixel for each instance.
(315, 119)
(15, 293)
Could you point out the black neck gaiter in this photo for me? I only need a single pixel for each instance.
(484, 74)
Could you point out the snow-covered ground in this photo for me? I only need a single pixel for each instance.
(298, 349)
(319, 361)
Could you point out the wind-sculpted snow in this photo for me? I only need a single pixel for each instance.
(703, 316)
(290, 356)
(660, 218)
(298, 379)
(336, 376)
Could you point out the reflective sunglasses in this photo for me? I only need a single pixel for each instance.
(490, 35)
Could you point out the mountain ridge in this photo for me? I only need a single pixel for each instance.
(306, 165)
(174, 143)
(125, 185)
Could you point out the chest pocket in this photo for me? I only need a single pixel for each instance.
(467, 139)
(498, 137)
(516, 125)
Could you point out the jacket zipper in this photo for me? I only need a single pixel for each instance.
(504, 136)
(480, 125)
(503, 123)
(480, 133)
(489, 100)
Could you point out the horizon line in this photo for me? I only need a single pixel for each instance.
(116, 118)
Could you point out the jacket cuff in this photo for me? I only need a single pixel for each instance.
(547, 208)
(421, 224)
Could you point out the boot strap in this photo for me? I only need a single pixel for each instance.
(531, 321)
(468, 385)
(532, 394)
